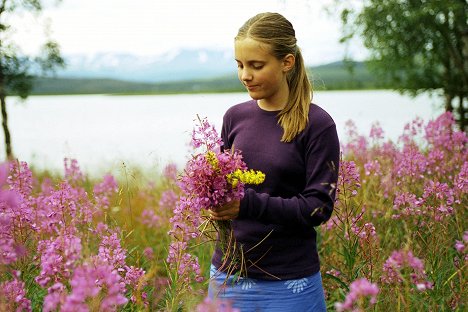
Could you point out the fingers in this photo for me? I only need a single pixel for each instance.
(226, 212)
(222, 218)
(223, 214)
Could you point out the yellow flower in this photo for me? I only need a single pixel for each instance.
(245, 176)
(212, 159)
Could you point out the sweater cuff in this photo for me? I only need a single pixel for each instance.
(244, 204)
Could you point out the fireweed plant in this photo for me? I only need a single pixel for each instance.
(397, 240)
(212, 177)
(55, 252)
(399, 219)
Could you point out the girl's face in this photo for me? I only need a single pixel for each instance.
(262, 74)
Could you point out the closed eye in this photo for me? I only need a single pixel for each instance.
(256, 65)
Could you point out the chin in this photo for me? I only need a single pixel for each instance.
(255, 96)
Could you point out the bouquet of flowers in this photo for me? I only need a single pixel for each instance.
(214, 177)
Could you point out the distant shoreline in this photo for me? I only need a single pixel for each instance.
(334, 76)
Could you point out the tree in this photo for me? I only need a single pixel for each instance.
(415, 45)
(17, 69)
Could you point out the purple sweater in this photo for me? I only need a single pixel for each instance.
(297, 195)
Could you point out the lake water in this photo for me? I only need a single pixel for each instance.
(102, 131)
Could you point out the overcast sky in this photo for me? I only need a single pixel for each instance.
(152, 27)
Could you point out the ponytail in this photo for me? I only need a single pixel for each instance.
(294, 117)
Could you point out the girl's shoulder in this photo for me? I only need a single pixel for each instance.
(244, 107)
(319, 121)
(319, 118)
(240, 110)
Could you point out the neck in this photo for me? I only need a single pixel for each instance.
(277, 102)
(265, 105)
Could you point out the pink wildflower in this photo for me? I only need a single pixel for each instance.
(84, 286)
(168, 200)
(357, 144)
(67, 205)
(20, 179)
(109, 280)
(185, 264)
(46, 186)
(14, 294)
(441, 132)
(18, 200)
(89, 281)
(111, 252)
(376, 132)
(412, 130)
(113, 255)
(104, 191)
(73, 173)
(334, 272)
(133, 276)
(217, 305)
(170, 172)
(102, 228)
(410, 162)
(365, 232)
(134, 280)
(150, 219)
(334, 220)
(58, 256)
(460, 245)
(358, 290)
(206, 135)
(9, 199)
(397, 262)
(407, 204)
(149, 253)
(372, 168)
(461, 181)
(56, 296)
(348, 180)
(186, 219)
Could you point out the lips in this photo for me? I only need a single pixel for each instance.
(251, 87)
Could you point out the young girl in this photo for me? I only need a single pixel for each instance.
(295, 144)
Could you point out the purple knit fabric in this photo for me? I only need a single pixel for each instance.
(297, 195)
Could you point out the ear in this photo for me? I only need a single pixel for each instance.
(288, 62)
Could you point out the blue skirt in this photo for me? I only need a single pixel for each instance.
(248, 294)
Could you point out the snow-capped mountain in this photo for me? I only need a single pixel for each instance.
(171, 66)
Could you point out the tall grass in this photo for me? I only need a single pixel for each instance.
(396, 241)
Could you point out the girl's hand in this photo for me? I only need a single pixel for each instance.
(227, 212)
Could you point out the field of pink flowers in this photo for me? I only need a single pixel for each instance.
(397, 240)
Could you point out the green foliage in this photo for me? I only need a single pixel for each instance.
(416, 45)
(16, 68)
(14, 73)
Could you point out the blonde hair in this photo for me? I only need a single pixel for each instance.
(276, 31)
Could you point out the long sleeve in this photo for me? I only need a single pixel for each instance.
(312, 206)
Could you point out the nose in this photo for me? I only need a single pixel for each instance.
(245, 75)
